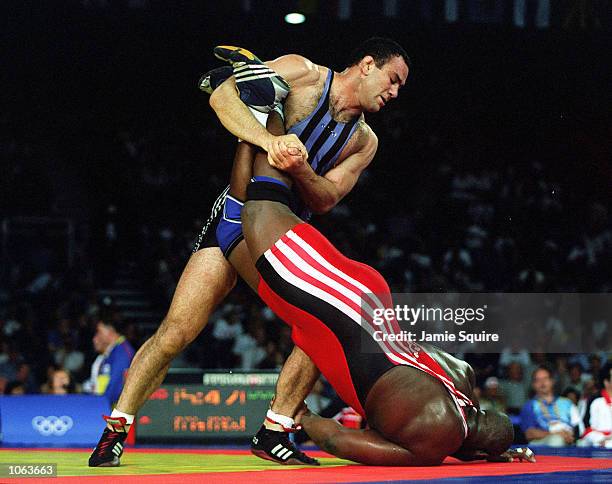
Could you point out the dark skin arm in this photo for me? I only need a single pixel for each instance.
(521, 454)
(363, 446)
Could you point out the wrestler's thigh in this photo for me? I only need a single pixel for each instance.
(240, 258)
(206, 280)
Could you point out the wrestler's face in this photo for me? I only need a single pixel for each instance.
(380, 85)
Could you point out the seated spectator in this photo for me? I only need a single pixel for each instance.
(491, 397)
(14, 388)
(577, 377)
(547, 419)
(595, 364)
(61, 383)
(599, 433)
(514, 388)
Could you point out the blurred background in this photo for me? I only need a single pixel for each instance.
(493, 171)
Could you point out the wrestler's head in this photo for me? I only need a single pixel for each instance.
(383, 67)
(492, 433)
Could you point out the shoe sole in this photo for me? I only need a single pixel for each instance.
(246, 53)
(111, 463)
(204, 88)
(289, 462)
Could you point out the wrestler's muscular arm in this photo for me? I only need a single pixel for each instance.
(238, 119)
(363, 446)
(322, 193)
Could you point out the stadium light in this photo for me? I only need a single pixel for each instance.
(295, 18)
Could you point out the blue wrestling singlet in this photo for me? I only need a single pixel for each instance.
(324, 139)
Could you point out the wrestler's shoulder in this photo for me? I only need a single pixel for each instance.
(297, 69)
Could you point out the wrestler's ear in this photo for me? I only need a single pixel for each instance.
(367, 65)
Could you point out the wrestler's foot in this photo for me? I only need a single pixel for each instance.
(211, 80)
(110, 447)
(276, 446)
(235, 55)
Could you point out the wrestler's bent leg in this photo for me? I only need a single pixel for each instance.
(206, 280)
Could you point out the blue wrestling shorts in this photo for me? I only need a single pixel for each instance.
(223, 228)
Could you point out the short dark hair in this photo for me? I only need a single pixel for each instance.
(117, 324)
(381, 49)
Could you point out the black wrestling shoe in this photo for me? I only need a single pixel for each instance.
(110, 447)
(276, 446)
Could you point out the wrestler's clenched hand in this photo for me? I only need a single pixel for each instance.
(287, 153)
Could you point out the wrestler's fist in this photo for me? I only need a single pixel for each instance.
(287, 153)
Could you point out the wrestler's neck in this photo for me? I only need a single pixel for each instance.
(343, 98)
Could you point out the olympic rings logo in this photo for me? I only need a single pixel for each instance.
(52, 425)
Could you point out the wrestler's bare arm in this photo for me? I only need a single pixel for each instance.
(363, 446)
(519, 454)
(322, 193)
(238, 119)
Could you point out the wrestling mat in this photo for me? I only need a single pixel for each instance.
(231, 465)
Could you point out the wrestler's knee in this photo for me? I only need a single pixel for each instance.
(173, 336)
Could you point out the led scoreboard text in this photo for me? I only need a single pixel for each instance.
(223, 406)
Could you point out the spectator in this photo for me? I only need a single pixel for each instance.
(491, 398)
(14, 388)
(89, 385)
(576, 377)
(548, 419)
(514, 388)
(599, 433)
(61, 382)
(117, 358)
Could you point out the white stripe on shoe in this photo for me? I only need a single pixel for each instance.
(277, 449)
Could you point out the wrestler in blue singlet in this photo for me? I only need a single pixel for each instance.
(323, 137)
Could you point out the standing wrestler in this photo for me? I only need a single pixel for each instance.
(324, 118)
(418, 400)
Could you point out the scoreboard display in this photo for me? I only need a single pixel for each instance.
(206, 406)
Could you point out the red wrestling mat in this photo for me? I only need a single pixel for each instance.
(350, 473)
